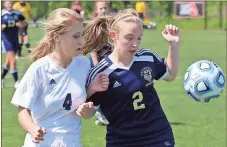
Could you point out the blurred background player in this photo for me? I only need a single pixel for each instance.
(78, 8)
(141, 9)
(11, 21)
(25, 8)
(101, 8)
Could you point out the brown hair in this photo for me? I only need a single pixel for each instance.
(97, 31)
(58, 22)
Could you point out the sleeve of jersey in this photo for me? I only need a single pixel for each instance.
(3, 21)
(28, 90)
(95, 98)
(160, 67)
(21, 17)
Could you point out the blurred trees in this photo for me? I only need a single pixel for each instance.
(156, 8)
(158, 11)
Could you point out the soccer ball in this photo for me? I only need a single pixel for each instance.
(204, 80)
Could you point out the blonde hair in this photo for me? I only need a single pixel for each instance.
(96, 33)
(58, 22)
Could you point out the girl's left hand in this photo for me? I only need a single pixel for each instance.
(171, 33)
(100, 83)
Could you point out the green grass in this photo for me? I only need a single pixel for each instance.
(194, 124)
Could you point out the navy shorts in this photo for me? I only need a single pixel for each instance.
(8, 46)
(161, 144)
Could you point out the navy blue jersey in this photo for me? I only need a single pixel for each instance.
(131, 104)
(10, 19)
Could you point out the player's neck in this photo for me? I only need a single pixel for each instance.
(60, 59)
(120, 61)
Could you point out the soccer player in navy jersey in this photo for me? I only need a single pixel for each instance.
(11, 21)
(131, 104)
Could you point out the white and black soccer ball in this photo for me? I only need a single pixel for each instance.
(204, 80)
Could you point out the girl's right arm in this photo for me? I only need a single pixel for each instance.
(24, 98)
(25, 120)
(94, 58)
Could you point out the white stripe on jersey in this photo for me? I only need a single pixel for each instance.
(110, 69)
(141, 53)
(95, 70)
(145, 58)
(142, 50)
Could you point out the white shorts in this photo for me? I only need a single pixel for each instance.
(54, 140)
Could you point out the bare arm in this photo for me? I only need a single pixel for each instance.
(172, 61)
(25, 120)
(94, 58)
(171, 34)
(30, 14)
(21, 24)
(90, 91)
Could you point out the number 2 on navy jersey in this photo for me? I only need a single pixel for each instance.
(68, 102)
(138, 97)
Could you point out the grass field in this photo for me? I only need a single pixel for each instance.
(194, 124)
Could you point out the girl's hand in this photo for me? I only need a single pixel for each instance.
(37, 134)
(86, 110)
(171, 33)
(100, 83)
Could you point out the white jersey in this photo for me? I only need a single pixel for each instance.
(53, 93)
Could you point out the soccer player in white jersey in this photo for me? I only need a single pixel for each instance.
(51, 95)
(131, 103)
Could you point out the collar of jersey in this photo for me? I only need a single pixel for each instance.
(57, 66)
(118, 66)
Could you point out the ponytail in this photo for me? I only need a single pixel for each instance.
(96, 34)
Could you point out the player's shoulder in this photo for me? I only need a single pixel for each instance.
(4, 12)
(81, 60)
(39, 64)
(144, 53)
(16, 12)
(98, 68)
(101, 66)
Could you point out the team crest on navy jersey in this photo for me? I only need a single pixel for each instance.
(146, 73)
